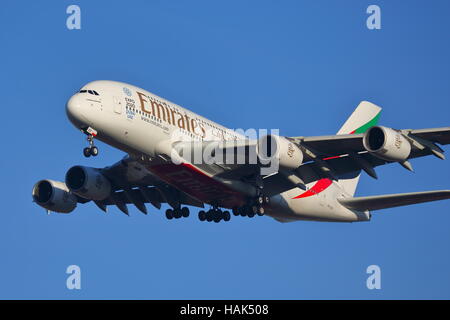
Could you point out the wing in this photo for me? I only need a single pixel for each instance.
(331, 156)
(393, 200)
(336, 145)
(133, 184)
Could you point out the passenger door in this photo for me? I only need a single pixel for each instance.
(117, 104)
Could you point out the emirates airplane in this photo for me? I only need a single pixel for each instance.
(182, 159)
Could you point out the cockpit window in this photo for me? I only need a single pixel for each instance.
(93, 92)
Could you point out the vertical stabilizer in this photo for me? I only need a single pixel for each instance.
(365, 116)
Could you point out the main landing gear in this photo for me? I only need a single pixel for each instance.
(177, 213)
(91, 150)
(214, 214)
(253, 208)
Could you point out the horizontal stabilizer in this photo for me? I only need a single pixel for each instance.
(393, 200)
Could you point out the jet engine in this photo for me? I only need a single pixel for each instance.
(88, 183)
(387, 144)
(284, 152)
(54, 196)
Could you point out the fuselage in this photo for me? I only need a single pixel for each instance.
(146, 126)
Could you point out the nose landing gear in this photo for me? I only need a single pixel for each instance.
(91, 150)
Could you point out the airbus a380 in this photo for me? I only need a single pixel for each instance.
(314, 178)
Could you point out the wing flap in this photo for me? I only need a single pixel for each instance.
(152, 194)
(439, 135)
(393, 200)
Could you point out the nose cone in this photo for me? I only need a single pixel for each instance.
(76, 112)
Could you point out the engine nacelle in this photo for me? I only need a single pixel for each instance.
(273, 148)
(387, 144)
(54, 196)
(88, 183)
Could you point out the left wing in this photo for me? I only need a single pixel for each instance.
(337, 145)
(342, 154)
(323, 157)
(132, 184)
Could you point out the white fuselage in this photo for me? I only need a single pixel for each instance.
(145, 126)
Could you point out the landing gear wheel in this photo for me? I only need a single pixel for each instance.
(209, 215)
(87, 152)
(251, 211)
(202, 215)
(217, 216)
(185, 212)
(226, 216)
(236, 211)
(177, 213)
(93, 151)
(260, 211)
(169, 214)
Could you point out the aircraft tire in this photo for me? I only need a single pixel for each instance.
(260, 211)
(185, 212)
(169, 214)
(202, 215)
(93, 151)
(251, 212)
(87, 152)
(177, 213)
(209, 216)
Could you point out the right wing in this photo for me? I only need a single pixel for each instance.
(393, 200)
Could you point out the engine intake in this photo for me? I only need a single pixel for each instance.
(54, 196)
(387, 144)
(273, 148)
(88, 183)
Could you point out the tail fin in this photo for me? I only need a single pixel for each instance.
(365, 116)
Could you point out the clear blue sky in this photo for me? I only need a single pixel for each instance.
(301, 66)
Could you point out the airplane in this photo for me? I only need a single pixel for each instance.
(287, 178)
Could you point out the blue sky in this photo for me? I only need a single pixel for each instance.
(301, 66)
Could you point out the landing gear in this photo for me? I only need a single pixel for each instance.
(177, 213)
(214, 214)
(253, 208)
(91, 150)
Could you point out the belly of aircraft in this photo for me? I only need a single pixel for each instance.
(187, 178)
